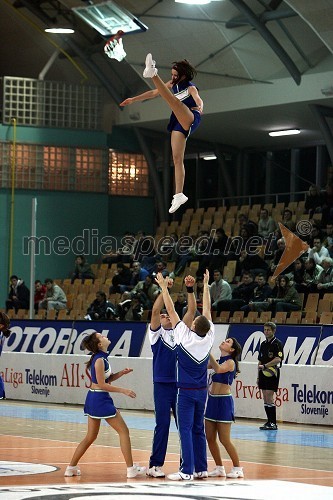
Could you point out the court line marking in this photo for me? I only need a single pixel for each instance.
(149, 451)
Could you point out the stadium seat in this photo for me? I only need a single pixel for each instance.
(309, 318)
(251, 317)
(295, 317)
(280, 317)
(326, 318)
(264, 317)
(312, 302)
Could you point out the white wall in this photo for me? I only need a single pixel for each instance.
(305, 393)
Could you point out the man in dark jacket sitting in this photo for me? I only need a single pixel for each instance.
(101, 308)
(19, 295)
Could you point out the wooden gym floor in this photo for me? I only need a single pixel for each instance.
(48, 434)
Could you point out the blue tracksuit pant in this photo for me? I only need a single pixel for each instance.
(165, 400)
(190, 417)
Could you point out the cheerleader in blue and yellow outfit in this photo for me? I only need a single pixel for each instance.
(186, 105)
(219, 413)
(99, 405)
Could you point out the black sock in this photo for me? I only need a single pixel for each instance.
(271, 413)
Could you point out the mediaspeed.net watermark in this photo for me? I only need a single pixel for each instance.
(91, 243)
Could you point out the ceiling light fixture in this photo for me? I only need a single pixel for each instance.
(279, 133)
(209, 157)
(59, 30)
(194, 2)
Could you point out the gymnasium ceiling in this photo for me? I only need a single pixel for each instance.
(260, 63)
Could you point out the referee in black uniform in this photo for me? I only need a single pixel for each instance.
(269, 361)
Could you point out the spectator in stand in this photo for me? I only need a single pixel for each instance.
(297, 275)
(219, 290)
(281, 245)
(188, 254)
(130, 309)
(216, 257)
(180, 304)
(316, 232)
(199, 286)
(241, 294)
(325, 280)
(260, 294)
(253, 263)
(239, 243)
(287, 220)
(82, 269)
(310, 278)
(124, 254)
(19, 294)
(167, 247)
(121, 279)
(314, 201)
(55, 297)
(147, 290)
(40, 292)
(328, 239)
(266, 224)
(318, 252)
(138, 274)
(100, 308)
(250, 225)
(287, 298)
(161, 267)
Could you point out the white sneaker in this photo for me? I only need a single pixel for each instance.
(219, 471)
(150, 69)
(180, 476)
(155, 471)
(72, 470)
(236, 472)
(135, 470)
(178, 200)
(200, 475)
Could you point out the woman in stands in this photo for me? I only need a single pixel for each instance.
(287, 298)
(220, 408)
(186, 106)
(99, 405)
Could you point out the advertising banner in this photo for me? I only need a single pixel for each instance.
(325, 348)
(305, 392)
(60, 337)
(300, 342)
(57, 378)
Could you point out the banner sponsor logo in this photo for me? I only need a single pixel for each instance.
(300, 343)
(312, 396)
(65, 337)
(243, 391)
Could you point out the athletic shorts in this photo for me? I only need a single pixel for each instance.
(99, 404)
(269, 383)
(175, 125)
(220, 408)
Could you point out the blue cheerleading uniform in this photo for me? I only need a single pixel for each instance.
(165, 390)
(99, 403)
(192, 361)
(181, 92)
(220, 407)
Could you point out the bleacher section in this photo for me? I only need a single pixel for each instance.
(80, 296)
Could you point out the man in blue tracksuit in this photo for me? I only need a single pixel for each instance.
(164, 348)
(193, 347)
